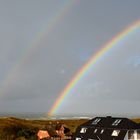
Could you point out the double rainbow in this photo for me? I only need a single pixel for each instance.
(93, 60)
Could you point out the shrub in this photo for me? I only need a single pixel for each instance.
(25, 133)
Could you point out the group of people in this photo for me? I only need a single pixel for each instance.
(60, 130)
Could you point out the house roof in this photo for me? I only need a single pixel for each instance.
(105, 128)
(112, 123)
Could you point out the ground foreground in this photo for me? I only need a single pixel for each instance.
(22, 129)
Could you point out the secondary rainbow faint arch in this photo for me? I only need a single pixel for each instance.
(28, 51)
(92, 61)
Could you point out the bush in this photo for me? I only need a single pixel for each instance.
(25, 133)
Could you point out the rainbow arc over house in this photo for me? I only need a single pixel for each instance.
(92, 61)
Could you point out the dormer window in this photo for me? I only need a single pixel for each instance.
(116, 122)
(83, 130)
(96, 121)
(115, 133)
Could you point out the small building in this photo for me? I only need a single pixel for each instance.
(53, 131)
(108, 128)
(43, 134)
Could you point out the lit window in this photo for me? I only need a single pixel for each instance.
(102, 131)
(78, 138)
(116, 122)
(96, 121)
(95, 130)
(115, 133)
(83, 130)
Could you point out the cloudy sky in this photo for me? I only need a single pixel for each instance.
(43, 44)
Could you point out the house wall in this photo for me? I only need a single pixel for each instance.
(126, 136)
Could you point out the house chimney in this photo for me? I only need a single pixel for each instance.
(108, 116)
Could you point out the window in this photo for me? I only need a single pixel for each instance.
(78, 139)
(95, 130)
(83, 130)
(116, 122)
(102, 131)
(134, 135)
(115, 133)
(131, 135)
(96, 121)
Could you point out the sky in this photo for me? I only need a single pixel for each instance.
(43, 44)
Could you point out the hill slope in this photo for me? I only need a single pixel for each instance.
(20, 129)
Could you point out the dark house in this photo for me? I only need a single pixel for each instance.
(108, 128)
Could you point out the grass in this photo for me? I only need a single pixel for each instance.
(13, 128)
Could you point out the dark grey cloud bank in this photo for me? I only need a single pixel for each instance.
(111, 87)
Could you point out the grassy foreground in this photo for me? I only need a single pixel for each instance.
(21, 129)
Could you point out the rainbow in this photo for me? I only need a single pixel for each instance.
(92, 61)
(28, 51)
